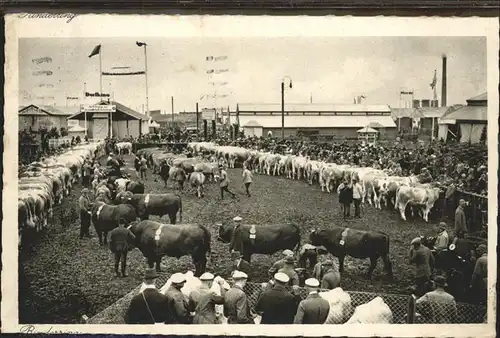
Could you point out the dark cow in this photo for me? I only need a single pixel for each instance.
(153, 204)
(269, 238)
(355, 243)
(156, 240)
(106, 217)
(135, 187)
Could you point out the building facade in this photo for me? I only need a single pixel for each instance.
(36, 117)
(314, 121)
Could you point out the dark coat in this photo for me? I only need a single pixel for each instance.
(312, 310)
(138, 313)
(177, 307)
(278, 306)
(345, 195)
(243, 266)
(236, 307)
(120, 239)
(202, 301)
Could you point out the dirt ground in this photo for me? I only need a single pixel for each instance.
(63, 278)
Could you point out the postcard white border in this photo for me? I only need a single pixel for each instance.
(105, 25)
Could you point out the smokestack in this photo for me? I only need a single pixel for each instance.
(443, 83)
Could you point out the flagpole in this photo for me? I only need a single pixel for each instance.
(146, 75)
(100, 68)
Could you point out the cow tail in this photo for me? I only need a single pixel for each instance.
(180, 208)
(396, 201)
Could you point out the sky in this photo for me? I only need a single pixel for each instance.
(328, 69)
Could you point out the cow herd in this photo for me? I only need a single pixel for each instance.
(380, 188)
(45, 183)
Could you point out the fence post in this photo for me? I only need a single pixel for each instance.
(410, 318)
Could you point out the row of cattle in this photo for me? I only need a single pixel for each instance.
(379, 187)
(45, 183)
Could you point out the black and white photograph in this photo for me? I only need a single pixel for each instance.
(197, 171)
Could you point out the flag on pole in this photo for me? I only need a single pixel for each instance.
(434, 81)
(97, 50)
(140, 44)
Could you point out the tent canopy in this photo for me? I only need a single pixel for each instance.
(367, 130)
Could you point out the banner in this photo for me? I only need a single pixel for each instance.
(130, 73)
(96, 94)
(99, 108)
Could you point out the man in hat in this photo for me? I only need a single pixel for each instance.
(247, 179)
(441, 238)
(479, 280)
(423, 259)
(289, 270)
(202, 301)
(313, 309)
(460, 221)
(280, 263)
(149, 306)
(331, 278)
(344, 191)
(119, 243)
(236, 306)
(177, 302)
(357, 194)
(224, 182)
(438, 305)
(240, 264)
(85, 212)
(277, 305)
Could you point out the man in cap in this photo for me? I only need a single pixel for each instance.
(442, 238)
(331, 278)
(224, 182)
(438, 305)
(177, 302)
(119, 243)
(85, 212)
(313, 309)
(247, 179)
(150, 306)
(460, 221)
(479, 280)
(289, 270)
(236, 306)
(202, 301)
(357, 194)
(277, 305)
(240, 264)
(280, 263)
(423, 259)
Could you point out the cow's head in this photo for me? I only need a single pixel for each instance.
(316, 237)
(225, 232)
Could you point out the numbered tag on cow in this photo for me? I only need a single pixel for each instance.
(252, 232)
(146, 200)
(344, 235)
(158, 233)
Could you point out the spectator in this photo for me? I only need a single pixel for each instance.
(85, 212)
(224, 183)
(357, 193)
(150, 306)
(423, 259)
(277, 305)
(289, 270)
(247, 179)
(345, 193)
(442, 238)
(438, 306)
(280, 263)
(177, 304)
(460, 221)
(236, 306)
(479, 280)
(240, 264)
(120, 240)
(144, 167)
(203, 300)
(331, 277)
(313, 309)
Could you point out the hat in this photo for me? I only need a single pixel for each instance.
(288, 252)
(85, 190)
(289, 260)
(442, 226)
(150, 274)
(440, 281)
(239, 275)
(416, 240)
(237, 219)
(328, 263)
(178, 278)
(207, 276)
(482, 249)
(281, 277)
(312, 282)
(122, 221)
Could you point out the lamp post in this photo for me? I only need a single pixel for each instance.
(283, 104)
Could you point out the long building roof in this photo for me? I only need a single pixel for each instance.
(307, 121)
(294, 107)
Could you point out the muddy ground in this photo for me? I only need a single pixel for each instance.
(63, 278)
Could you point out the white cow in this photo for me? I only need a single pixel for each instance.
(417, 196)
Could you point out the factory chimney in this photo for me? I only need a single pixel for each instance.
(443, 83)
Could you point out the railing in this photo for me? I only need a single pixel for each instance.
(403, 307)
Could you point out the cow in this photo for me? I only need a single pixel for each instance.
(208, 169)
(355, 243)
(106, 217)
(197, 180)
(153, 204)
(251, 239)
(121, 147)
(416, 196)
(156, 240)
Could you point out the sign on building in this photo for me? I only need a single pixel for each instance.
(99, 108)
(208, 114)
